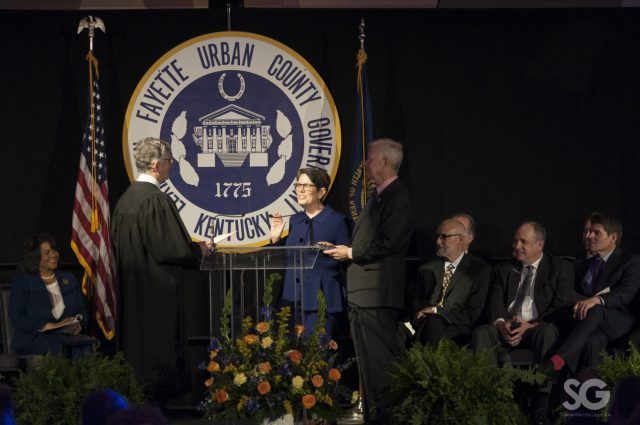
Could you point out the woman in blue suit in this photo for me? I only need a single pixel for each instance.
(317, 223)
(44, 304)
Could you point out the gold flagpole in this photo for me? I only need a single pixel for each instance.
(91, 24)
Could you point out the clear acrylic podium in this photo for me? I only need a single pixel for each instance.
(231, 263)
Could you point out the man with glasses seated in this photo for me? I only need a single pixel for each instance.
(449, 291)
(152, 249)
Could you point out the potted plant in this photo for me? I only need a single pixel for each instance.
(449, 384)
(271, 372)
(53, 393)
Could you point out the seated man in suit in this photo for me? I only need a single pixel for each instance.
(606, 284)
(525, 296)
(450, 291)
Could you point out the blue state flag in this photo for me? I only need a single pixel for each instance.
(362, 135)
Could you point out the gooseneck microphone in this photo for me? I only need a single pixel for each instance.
(284, 215)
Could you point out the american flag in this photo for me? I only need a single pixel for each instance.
(90, 237)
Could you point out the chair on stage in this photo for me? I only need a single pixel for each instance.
(10, 361)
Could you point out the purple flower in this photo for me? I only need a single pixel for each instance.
(325, 340)
(284, 370)
(252, 405)
(266, 312)
(214, 345)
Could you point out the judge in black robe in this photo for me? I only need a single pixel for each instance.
(153, 250)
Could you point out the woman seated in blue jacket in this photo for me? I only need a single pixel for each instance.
(317, 223)
(46, 306)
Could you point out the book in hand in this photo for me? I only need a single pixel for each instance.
(65, 326)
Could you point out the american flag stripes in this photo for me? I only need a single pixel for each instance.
(90, 237)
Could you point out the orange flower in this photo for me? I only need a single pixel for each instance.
(308, 401)
(264, 387)
(317, 381)
(213, 366)
(213, 354)
(262, 327)
(334, 374)
(264, 367)
(295, 356)
(250, 339)
(299, 330)
(208, 382)
(333, 345)
(221, 396)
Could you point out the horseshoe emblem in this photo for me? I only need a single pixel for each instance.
(226, 96)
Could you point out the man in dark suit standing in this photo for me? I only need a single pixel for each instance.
(606, 284)
(375, 277)
(450, 291)
(525, 297)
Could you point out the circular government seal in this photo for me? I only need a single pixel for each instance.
(243, 113)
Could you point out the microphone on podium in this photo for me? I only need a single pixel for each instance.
(283, 215)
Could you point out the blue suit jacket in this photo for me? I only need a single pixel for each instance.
(328, 226)
(30, 306)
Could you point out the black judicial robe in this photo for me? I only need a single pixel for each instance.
(152, 251)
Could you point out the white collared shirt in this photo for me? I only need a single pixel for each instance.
(454, 262)
(57, 301)
(529, 311)
(148, 178)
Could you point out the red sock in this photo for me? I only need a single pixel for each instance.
(558, 362)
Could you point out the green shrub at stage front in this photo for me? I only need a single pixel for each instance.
(53, 393)
(451, 385)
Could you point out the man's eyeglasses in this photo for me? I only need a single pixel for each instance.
(303, 187)
(170, 159)
(445, 236)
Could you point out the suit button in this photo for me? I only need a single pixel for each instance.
(301, 240)
(297, 280)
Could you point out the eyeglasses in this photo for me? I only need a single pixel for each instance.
(445, 236)
(303, 187)
(170, 159)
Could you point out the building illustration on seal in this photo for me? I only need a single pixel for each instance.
(231, 134)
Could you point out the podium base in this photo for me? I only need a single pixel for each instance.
(353, 416)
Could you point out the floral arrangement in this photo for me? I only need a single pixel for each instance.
(271, 369)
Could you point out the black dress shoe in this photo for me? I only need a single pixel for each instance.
(546, 368)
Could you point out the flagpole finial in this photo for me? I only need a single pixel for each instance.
(361, 36)
(91, 23)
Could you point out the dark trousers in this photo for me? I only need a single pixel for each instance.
(539, 339)
(591, 335)
(431, 328)
(378, 344)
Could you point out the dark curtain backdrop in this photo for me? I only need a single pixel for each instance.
(505, 114)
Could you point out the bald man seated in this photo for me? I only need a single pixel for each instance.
(449, 291)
